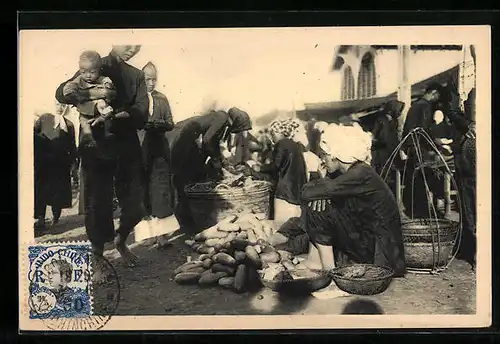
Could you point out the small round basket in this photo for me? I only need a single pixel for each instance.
(284, 283)
(375, 280)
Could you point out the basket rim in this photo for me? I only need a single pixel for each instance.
(386, 268)
(321, 274)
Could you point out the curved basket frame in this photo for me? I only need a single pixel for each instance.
(413, 135)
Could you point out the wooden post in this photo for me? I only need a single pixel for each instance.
(404, 95)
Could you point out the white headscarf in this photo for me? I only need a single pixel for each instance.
(347, 143)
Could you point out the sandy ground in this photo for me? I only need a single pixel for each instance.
(148, 289)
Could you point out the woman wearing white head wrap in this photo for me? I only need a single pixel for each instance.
(356, 213)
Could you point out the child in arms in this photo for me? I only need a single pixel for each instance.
(93, 112)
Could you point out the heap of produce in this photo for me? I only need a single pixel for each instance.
(238, 177)
(235, 254)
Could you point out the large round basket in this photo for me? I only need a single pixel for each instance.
(375, 280)
(428, 243)
(210, 207)
(286, 284)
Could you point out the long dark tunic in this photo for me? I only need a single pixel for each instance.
(362, 221)
(415, 198)
(54, 154)
(465, 165)
(118, 158)
(188, 160)
(159, 194)
(288, 168)
(385, 141)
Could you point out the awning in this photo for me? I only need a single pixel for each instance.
(331, 110)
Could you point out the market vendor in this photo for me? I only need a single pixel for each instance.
(420, 115)
(354, 217)
(193, 162)
(292, 165)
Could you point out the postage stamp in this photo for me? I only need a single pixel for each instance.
(63, 292)
(60, 281)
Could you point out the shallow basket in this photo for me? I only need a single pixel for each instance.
(210, 207)
(428, 243)
(379, 280)
(299, 286)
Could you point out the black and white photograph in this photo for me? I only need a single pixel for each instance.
(300, 173)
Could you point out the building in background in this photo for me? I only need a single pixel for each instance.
(370, 76)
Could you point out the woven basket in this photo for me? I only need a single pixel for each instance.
(208, 208)
(428, 244)
(379, 280)
(286, 284)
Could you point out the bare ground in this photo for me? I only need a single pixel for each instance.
(148, 289)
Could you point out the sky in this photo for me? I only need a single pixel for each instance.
(258, 72)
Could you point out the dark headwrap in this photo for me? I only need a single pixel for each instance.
(394, 108)
(241, 120)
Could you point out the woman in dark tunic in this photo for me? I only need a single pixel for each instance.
(54, 154)
(193, 163)
(356, 213)
(288, 169)
(159, 192)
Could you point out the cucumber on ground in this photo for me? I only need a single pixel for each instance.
(285, 255)
(207, 263)
(242, 235)
(227, 282)
(252, 237)
(253, 257)
(267, 249)
(240, 256)
(240, 278)
(204, 256)
(288, 265)
(272, 257)
(230, 237)
(224, 258)
(222, 268)
(249, 217)
(253, 279)
(189, 243)
(205, 249)
(229, 227)
(187, 277)
(261, 216)
(240, 244)
(187, 266)
(228, 219)
(210, 278)
(213, 241)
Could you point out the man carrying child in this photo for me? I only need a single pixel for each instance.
(117, 157)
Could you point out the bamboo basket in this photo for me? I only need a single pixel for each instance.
(429, 243)
(210, 207)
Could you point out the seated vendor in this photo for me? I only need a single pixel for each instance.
(353, 218)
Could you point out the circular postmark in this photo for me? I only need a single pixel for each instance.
(72, 289)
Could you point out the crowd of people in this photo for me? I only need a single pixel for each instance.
(330, 200)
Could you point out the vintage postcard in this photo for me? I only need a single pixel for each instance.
(255, 178)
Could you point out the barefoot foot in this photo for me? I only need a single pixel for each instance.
(128, 256)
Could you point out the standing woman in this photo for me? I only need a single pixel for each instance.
(288, 169)
(158, 189)
(194, 160)
(54, 154)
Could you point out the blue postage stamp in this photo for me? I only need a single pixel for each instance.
(60, 281)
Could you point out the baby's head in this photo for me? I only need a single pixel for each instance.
(90, 65)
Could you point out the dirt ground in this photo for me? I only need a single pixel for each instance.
(149, 289)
